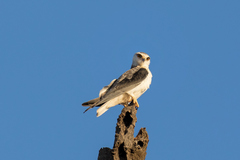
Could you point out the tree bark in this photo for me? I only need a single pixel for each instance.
(126, 147)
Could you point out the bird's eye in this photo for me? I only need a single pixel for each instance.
(139, 55)
(148, 58)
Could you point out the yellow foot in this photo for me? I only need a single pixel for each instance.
(135, 102)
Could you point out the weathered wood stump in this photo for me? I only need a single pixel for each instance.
(126, 147)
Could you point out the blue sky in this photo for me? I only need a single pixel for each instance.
(54, 55)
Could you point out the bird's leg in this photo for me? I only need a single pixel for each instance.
(127, 99)
(135, 102)
(130, 100)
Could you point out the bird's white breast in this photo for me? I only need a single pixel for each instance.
(142, 87)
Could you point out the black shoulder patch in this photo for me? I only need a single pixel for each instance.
(140, 74)
(137, 77)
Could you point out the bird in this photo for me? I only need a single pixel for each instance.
(127, 88)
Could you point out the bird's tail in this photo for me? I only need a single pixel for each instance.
(88, 109)
(90, 104)
(103, 109)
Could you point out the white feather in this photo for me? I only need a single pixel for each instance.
(142, 87)
(113, 102)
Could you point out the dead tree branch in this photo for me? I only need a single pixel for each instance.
(126, 147)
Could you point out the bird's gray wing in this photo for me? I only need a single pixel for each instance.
(104, 89)
(124, 83)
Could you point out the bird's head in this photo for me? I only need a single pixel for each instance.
(140, 59)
